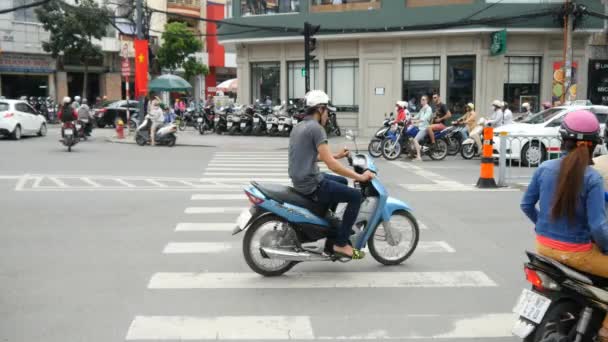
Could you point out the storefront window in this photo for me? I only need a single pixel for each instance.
(598, 82)
(420, 77)
(344, 5)
(461, 83)
(25, 14)
(259, 7)
(522, 82)
(265, 81)
(228, 9)
(343, 84)
(296, 81)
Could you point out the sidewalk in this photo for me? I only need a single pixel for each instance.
(194, 139)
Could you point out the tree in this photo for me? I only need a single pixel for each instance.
(179, 44)
(73, 30)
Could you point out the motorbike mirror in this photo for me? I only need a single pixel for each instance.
(290, 102)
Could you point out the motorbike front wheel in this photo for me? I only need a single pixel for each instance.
(405, 235)
(182, 124)
(233, 130)
(171, 141)
(139, 140)
(468, 151)
(374, 148)
(390, 149)
(269, 231)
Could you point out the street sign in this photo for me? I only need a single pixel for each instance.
(126, 68)
(498, 43)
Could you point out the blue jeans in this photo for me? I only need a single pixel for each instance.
(464, 132)
(333, 190)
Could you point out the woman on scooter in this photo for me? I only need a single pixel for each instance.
(469, 119)
(571, 224)
(423, 121)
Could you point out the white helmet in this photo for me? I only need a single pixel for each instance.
(526, 105)
(77, 98)
(402, 104)
(497, 103)
(67, 100)
(316, 97)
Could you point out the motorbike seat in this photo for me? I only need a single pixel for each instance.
(287, 194)
(571, 272)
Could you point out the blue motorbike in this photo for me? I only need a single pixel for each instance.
(400, 141)
(284, 227)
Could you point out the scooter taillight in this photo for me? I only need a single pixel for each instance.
(540, 280)
(254, 200)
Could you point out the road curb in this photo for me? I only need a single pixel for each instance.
(128, 141)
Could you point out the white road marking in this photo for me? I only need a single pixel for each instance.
(218, 197)
(282, 158)
(249, 174)
(246, 179)
(10, 177)
(451, 186)
(205, 227)
(213, 210)
(158, 184)
(452, 279)
(434, 247)
(90, 182)
(59, 182)
(344, 328)
(125, 183)
(21, 182)
(182, 328)
(196, 247)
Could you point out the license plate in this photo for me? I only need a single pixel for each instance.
(216, 119)
(230, 124)
(199, 120)
(256, 120)
(280, 127)
(532, 306)
(69, 132)
(243, 219)
(243, 124)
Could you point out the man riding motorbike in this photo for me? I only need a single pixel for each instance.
(307, 144)
(84, 115)
(571, 224)
(440, 117)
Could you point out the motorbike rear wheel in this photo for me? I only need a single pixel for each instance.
(559, 323)
(439, 151)
(453, 145)
(139, 140)
(171, 141)
(375, 148)
(269, 231)
(379, 245)
(182, 124)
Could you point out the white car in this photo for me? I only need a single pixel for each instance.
(536, 139)
(18, 118)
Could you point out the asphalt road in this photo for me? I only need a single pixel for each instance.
(116, 242)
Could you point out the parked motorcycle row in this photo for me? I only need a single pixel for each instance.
(394, 139)
(257, 119)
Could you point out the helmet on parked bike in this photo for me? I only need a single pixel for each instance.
(580, 125)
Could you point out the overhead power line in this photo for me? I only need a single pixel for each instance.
(33, 4)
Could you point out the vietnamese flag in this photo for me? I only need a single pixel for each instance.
(141, 67)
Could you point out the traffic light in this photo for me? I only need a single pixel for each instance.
(310, 44)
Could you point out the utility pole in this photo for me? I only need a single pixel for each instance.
(139, 21)
(310, 44)
(568, 28)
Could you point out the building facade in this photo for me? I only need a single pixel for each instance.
(366, 72)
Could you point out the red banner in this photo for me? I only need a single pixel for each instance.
(141, 67)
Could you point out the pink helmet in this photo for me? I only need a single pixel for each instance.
(546, 105)
(580, 125)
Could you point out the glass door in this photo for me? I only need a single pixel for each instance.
(461, 83)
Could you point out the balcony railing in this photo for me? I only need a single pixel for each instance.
(187, 3)
(265, 7)
(342, 6)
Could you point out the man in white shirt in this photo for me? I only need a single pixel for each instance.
(497, 118)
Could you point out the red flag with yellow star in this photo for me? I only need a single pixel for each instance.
(141, 67)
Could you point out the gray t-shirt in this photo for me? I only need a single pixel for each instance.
(304, 140)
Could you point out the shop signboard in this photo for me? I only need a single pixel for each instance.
(598, 81)
(559, 91)
(24, 63)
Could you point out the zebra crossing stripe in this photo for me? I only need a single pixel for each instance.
(213, 210)
(451, 279)
(218, 197)
(466, 327)
(205, 227)
(246, 179)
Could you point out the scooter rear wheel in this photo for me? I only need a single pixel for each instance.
(171, 141)
(267, 232)
(468, 151)
(375, 148)
(391, 150)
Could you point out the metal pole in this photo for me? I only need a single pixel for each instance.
(568, 26)
(502, 160)
(127, 96)
(307, 56)
(140, 35)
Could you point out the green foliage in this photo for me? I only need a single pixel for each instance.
(193, 68)
(73, 28)
(178, 44)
